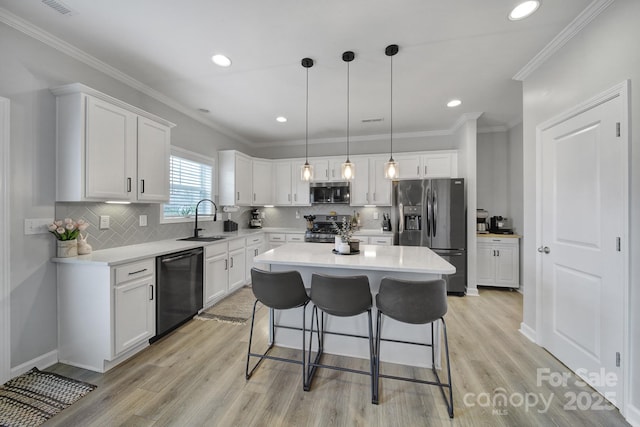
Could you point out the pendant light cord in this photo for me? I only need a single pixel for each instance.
(306, 128)
(347, 111)
(391, 112)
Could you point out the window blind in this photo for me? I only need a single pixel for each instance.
(189, 182)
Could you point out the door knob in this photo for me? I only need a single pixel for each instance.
(544, 249)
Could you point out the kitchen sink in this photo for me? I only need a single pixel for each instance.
(203, 238)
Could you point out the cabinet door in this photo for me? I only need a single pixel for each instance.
(486, 271)
(437, 166)
(236, 269)
(282, 172)
(299, 189)
(379, 186)
(335, 169)
(408, 167)
(360, 191)
(110, 164)
(135, 313)
(244, 180)
(320, 169)
(262, 182)
(507, 270)
(216, 278)
(153, 161)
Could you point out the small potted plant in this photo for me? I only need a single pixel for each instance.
(66, 232)
(345, 234)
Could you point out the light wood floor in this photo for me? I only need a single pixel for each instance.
(195, 377)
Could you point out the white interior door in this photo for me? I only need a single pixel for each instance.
(583, 217)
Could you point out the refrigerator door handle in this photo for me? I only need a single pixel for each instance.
(401, 218)
(435, 211)
(428, 211)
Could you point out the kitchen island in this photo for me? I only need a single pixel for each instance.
(376, 262)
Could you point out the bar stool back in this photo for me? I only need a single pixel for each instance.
(278, 291)
(343, 296)
(414, 302)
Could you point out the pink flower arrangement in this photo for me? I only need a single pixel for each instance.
(67, 229)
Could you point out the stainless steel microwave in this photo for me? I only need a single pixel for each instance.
(329, 192)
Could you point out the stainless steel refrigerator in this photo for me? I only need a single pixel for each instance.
(431, 213)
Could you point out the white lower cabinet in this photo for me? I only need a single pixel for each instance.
(276, 239)
(237, 259)
(216, 273)
(254, 247)
(380, 240)
(105, 314)
(499, 262)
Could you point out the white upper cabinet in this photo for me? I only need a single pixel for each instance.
(109, 150)
(153, 161)
(369, 186)
(262, 182)
(320, 169)
(427, 165)
(290, 189)
(236, 178)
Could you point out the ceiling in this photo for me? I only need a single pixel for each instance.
(464, 49)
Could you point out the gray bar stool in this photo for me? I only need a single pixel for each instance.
(418, 303)
(278, 291)
(342, 296)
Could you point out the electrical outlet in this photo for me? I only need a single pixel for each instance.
(37, 225)
(143, 221)
(104, 222)
(375, 215)
(297, 214)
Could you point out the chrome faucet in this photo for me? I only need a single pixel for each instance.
(196, 230)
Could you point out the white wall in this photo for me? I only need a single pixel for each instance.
(28, 69)
(602, 55)
(492, 173)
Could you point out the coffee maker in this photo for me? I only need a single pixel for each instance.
(256, 220)
(481, 221)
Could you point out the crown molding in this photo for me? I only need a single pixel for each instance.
(68, 49)
(570, 31)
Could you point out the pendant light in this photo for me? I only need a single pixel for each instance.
(348, 168)
(391, 167)
(307, 169)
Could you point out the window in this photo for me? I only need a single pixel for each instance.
(190, 180)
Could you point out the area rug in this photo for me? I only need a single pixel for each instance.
(34, 397)
(235, 308)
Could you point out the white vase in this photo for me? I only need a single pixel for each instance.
(66, 248)
(344, 248)
(336, 245)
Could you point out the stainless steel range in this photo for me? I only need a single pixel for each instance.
(322, 230)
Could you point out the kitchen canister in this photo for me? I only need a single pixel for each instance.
(344, 248)
(336, 244)
(66, 248)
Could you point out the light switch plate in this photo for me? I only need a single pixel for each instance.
(37, 225)
(104, 222)
(143, 220)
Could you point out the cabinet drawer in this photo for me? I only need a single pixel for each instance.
(295, 237)
(498, 240)
(236, 244)
(380, 241)
(254, 240)
(214, 250)
(134, 270)
(277, 237)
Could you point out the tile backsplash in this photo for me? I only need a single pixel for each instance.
(124, 228)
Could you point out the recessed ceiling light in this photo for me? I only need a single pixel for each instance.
(454, 103)
(221, 60)
(281, 119)
(524, 9)
(203, 110)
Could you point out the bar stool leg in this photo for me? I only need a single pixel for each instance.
(377, 357)
(372, 362)
(253, 318)
(311, 368)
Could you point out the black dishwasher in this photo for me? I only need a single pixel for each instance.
(179, 289)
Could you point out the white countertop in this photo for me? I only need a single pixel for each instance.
(130, 253)
(415, 259)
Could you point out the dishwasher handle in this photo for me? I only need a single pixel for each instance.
(182, 256)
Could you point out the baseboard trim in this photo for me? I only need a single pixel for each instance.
(41, 362)
(528, 332)
(473, 292)
(632, 415)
